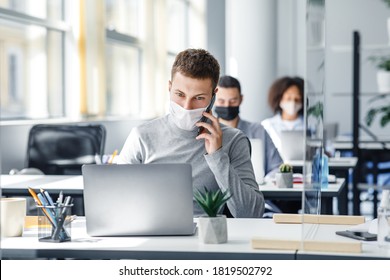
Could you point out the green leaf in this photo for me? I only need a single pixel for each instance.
(383, 112)
(211, 202)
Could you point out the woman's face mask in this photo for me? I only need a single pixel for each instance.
(185, 119)
(291, 108)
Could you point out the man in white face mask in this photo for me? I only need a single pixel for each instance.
(219, 155)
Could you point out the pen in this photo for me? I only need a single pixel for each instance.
(59, 199)
(98, 159)
(112, 157)
(45, 204)
(38, 202)
(48, 197)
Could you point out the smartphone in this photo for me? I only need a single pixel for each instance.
(362, 236)
(208, 109)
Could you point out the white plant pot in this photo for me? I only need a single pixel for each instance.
(212, 230)
(388, 29)
(284, 180)
(383, 80)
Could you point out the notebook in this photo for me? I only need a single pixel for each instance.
(138, 199)
(292, 145)
(257, 157)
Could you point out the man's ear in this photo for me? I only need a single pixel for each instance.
(169, 85)
(216, 90)
(241, 99)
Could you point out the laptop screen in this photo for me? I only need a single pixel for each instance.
(138, 199)
(257, 157)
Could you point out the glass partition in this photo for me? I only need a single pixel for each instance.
(314, 104)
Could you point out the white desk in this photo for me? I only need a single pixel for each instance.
(272, 192)
(16, 185)
(240, 233)
(346, 143)
(333, 163)
(82, 246)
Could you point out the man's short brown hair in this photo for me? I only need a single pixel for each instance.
(197, 64)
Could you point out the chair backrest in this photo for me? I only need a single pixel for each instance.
(63, 149)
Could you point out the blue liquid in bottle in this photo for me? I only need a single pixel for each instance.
(325, 172)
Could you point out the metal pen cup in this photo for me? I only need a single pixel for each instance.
(54, 223)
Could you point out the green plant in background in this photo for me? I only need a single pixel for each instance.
(381, 62)
(387, 2)
(317, 2)
(212, 202)
(285, 168)
(382, 111)
(317, 110)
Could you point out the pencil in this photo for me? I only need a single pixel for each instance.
(112, 157)
(38, 202)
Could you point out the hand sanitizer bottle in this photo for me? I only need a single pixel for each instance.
(384, 220)
(325, 172)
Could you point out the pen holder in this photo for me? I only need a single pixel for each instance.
(54, 223)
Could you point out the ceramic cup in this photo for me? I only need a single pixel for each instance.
(13, 212)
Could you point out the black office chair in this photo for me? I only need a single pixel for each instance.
(63, 149)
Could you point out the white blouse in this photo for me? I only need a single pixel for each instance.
(276, 124)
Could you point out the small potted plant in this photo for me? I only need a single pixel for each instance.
(382, 63)
(213, 227)
(284, 178)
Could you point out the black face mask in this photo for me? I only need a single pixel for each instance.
(227, 113)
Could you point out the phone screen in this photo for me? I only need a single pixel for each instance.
(208, 109)
(364, 236)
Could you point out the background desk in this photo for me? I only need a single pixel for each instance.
(240, 234)
(16, 185)
(272, 192)
(375, 152)
(339, 167)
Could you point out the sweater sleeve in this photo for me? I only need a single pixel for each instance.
(132, 149)
(233, 170)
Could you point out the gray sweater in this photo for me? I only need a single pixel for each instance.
(161, 141)
(272, 159)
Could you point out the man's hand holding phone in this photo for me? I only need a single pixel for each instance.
(213, 138)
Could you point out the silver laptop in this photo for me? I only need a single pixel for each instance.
(138, 199)
(257, 157)
(292, 145)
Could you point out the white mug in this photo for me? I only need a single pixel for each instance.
(13, 212)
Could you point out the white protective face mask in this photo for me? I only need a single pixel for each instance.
(290, 107)
(185, 119)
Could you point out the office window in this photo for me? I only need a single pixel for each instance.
(177, 16)
(31, 56)
(109, 59)
(185, 27)
(124, 16)
(123, 87)
(123, 57)
(45, 9)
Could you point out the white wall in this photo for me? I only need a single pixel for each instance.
(251, 52)
(343, 17)
(264, 40)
